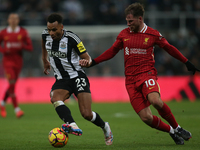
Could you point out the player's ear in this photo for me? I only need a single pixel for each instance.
(140, 18)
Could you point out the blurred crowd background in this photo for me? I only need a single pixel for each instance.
(177, 20)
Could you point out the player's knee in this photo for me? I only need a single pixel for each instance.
(53, 101)
(158, 104)
(147, 119)
(154, 99)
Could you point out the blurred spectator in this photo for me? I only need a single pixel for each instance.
(6, 6)
(165, 5)
(73, 8)
(197, 27)
(71, 19)
(32, 19)
(88, 18)
(197, 5)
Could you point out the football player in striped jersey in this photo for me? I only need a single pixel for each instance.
(61, 51)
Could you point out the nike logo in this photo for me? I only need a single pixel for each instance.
(151, 88)
(126, 39)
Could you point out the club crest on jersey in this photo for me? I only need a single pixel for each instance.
(63, 45)
(146, 41)
(56, 54)
(19, 37)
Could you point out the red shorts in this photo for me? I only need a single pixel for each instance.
(12, 73)
(138, 92)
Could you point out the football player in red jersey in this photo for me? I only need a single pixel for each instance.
(138, 41)
(15, 39)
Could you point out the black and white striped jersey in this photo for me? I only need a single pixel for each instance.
(64, 54)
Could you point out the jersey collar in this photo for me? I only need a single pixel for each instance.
(144, 28)
(64, 32)
(9, 29)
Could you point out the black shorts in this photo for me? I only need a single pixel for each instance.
(76, 85)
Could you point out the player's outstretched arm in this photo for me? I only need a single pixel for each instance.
(178, 55)
(108, 54)
(191, 67)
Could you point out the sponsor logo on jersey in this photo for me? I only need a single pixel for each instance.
(126, 40)
(13, 45)
(81, 47)
(126, 51)
(56, 54)
(146, 41)
(138, 51)
(135, 51)
(62, 45)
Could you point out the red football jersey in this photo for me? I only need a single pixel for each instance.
(139, 52)
(14, 42)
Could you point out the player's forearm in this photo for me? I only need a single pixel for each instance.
(85, 60)
(108, 54)
(44, 55)
(173, 51)
(44, 58)
(85, 56)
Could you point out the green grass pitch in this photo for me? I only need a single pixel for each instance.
(31, 131)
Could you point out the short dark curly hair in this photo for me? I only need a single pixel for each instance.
(55, 17)
(136, 9)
